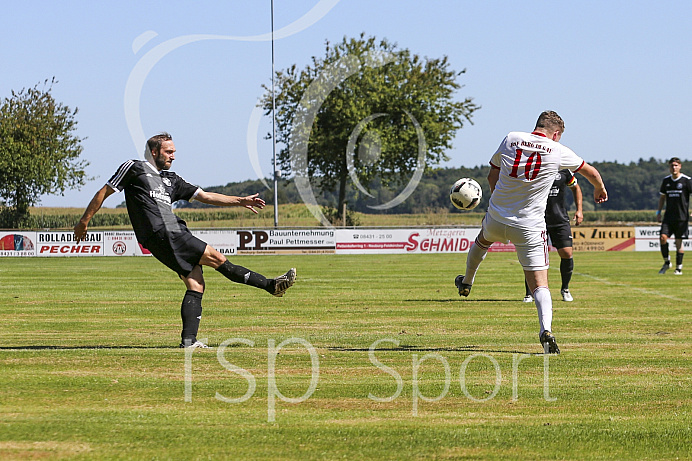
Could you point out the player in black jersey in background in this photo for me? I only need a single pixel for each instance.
(557, 224)
(150, 191)
(675, 194)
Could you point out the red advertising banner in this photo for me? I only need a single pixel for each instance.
(404, 241)
(63, 244)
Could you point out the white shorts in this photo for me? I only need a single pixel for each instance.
(531, 244)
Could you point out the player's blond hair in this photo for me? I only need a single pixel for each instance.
(551, 121)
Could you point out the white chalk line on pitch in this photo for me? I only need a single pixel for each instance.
(641, 290)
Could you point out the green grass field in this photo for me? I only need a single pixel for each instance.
(91, 368)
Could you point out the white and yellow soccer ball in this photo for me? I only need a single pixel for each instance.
(466, 194)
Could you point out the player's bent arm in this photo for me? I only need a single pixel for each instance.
(493, 177)
(212, 198)
(579, 214)
(600, 194)
(661, 203)
(80, 230)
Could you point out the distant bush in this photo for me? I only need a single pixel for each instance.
(621, 216)
(632, 186)
(63, 221)
(298, 215)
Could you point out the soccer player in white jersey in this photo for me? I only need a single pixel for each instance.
(522, 171)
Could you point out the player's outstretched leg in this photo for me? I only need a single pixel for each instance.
(239, 274)
(476, 255)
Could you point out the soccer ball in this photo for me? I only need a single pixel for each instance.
(466, 194)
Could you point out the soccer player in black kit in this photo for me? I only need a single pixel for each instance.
(150, 191)
(675, 194)
(558, 227)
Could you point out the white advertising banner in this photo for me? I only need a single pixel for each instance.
(122, 243)
(405, 241)
(63, 244)
(18, 243)
(226, 241)
(647, 239)
(286, 241)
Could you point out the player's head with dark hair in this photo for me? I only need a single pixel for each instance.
(153, 153)
(674, 160)
(549, 120)
(154, 143)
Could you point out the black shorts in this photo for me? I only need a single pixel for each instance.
(560, 235)
(180, 252)
(678, 228)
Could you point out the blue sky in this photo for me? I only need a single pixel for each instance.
(617, 71)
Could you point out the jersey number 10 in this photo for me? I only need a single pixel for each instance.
(533, 165)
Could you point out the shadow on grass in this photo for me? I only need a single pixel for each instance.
(77, 348)
(407, 348)
(402, 348)
(457, 300)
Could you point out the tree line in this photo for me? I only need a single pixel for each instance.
(632, 186)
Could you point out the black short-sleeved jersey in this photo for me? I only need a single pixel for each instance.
(149, 195)
(677, 192)
(555, 211)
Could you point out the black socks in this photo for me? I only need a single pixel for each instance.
(566, 268)
(239, 274)
(191, 313)
(664, 252)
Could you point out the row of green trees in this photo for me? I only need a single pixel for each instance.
(632, 186)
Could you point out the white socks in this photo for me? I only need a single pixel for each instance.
(544, 305)
(476, 255)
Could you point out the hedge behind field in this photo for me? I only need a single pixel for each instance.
(299, 216)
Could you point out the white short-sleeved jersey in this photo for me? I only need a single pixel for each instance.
(528, 163)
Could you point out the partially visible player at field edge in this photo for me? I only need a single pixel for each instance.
(675, 195)
(559, 230)
(150, 191)
(521, 172)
